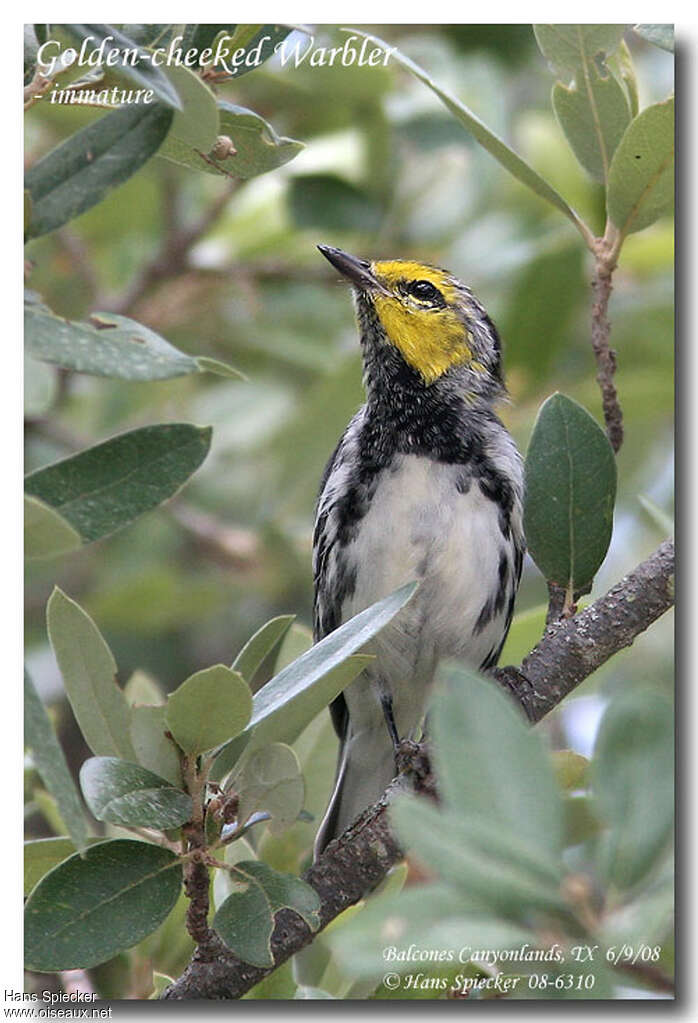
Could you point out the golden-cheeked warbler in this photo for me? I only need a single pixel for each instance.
(425, 484)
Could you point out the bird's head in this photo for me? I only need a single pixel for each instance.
(431, 318)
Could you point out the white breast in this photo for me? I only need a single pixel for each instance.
(419, 526)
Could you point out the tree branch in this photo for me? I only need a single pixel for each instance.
(351, 866)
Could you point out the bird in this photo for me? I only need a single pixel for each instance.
(425, 484)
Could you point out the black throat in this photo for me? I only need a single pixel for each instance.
(408, 416)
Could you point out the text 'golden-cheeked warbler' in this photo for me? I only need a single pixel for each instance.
(425, 484)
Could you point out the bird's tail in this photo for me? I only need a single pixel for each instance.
(365, 768)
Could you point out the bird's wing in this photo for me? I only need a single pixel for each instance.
(327, 602)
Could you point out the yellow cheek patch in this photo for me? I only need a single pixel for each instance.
(430, 340)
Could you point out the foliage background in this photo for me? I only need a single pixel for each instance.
(386, 172)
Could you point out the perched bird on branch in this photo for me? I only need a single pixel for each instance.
(425, 484)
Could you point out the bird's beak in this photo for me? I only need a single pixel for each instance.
(357, 271)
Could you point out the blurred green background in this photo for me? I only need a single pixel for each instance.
(386, 172)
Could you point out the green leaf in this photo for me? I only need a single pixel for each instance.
(209, 707)
(196, 125)
(124, 793)
(51, 764)
(89, 675)
(153, 749)
(259, 148)
(270, 779)
(84, 168)
(472, 721)
(46, 533)
(593, 113)
(641, 178)
(42, 855)
(570, 493)
(482, 134)
(145, 74)
(87, 910)
(109, 346)
(102, 489)
(261, 645)
(659, 35)
(245, 921)
(633, 783)
(574, 48)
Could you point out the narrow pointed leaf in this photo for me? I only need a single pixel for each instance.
(125, 793)
(51, 764)
(296, 642)
(209, 707)
(89, 676)
(495, 146)
(327, 654)
(46, 533)
(85, 911)
(260, 645)
(84, 168)
(102, 489)
(570, 493)
(285, 705)
(641, 178)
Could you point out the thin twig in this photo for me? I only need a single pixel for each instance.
(601, 288)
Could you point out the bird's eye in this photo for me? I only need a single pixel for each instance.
(425, 291)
